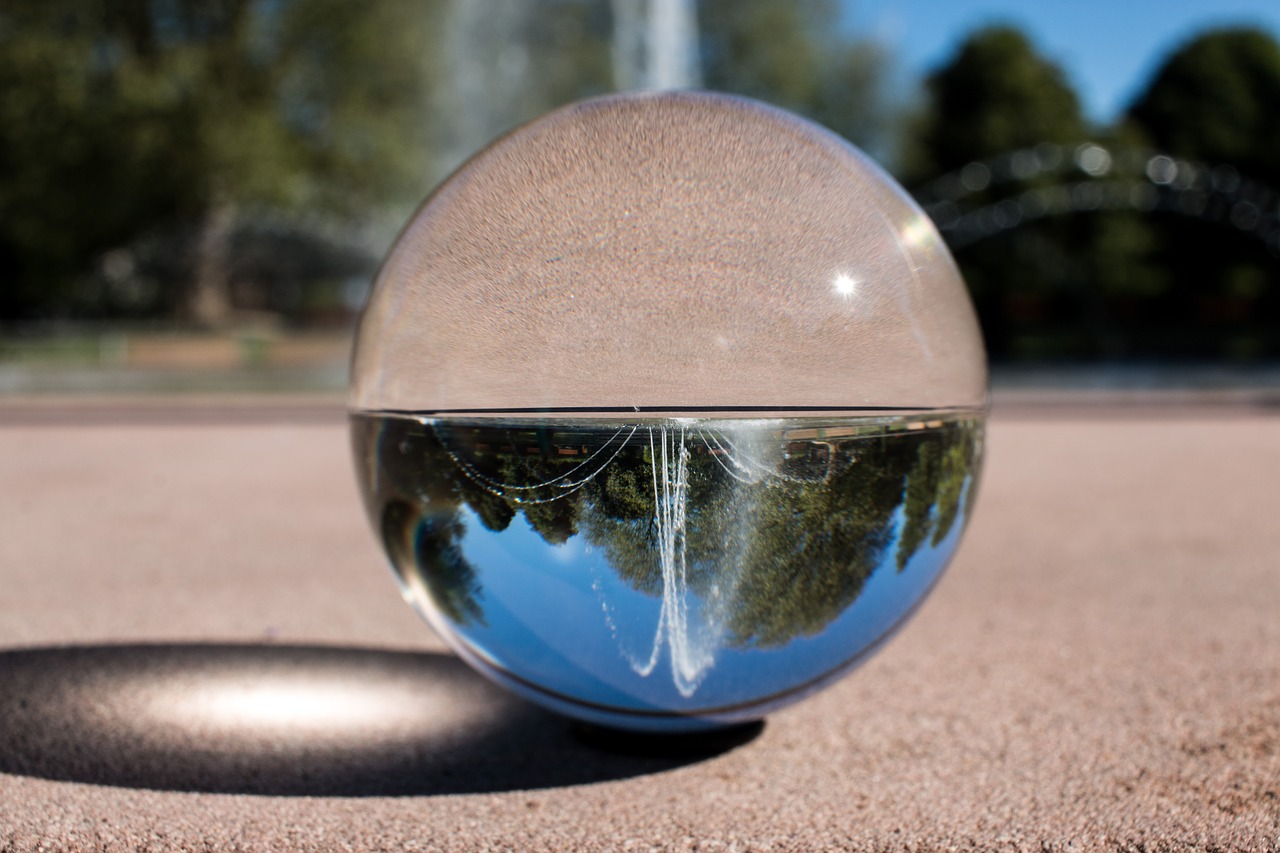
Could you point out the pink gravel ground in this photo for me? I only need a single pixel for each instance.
(1099, 669)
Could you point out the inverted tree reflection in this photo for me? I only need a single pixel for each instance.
(777, 535)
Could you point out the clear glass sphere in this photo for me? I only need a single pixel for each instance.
(668, 408)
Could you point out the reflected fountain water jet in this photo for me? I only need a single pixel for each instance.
(691, 655)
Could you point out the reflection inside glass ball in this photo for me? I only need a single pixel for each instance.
(668, 409)
(671, 573)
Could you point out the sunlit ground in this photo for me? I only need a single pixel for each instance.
(286, 720)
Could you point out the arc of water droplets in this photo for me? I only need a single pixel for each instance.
(501, 489)
(1148, 180)
(752, 470)
(749, 473)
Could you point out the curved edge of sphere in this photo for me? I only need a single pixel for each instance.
(680, 250)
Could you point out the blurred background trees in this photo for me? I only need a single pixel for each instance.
(217, 162)
(995, 96)
(1157, 237)
(1217, 101)
(148, 143)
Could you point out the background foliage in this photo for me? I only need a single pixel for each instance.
(208, 161)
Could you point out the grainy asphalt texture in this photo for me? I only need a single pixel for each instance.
(1099, 669)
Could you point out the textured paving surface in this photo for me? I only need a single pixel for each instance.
(1100, 669)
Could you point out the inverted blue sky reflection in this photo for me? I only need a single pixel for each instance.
(593, 645)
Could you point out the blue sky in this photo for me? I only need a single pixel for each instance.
(1108, 49)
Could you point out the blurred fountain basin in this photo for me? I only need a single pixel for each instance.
(108, 361)
(111, 361)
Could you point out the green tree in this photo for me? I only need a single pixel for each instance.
(1216, 101)
(815, 544)
(307, 105)
(83, 164)
(124, 118)
(620, 518)
(424, 545)
(796, 546)
(790, 547)
(791, 53)
(996, 95)
(413, 497)
(937, 488)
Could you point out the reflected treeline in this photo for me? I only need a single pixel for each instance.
(783, 523)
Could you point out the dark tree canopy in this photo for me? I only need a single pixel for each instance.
(795, 547)
(790, 53)
(995, 95)
(1217, 99)
(193, 158)
(119, 121)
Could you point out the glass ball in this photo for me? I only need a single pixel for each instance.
(668, 409)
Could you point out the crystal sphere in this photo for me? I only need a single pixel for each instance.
(668, 409)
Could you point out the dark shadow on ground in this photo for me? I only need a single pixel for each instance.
(300, 721)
